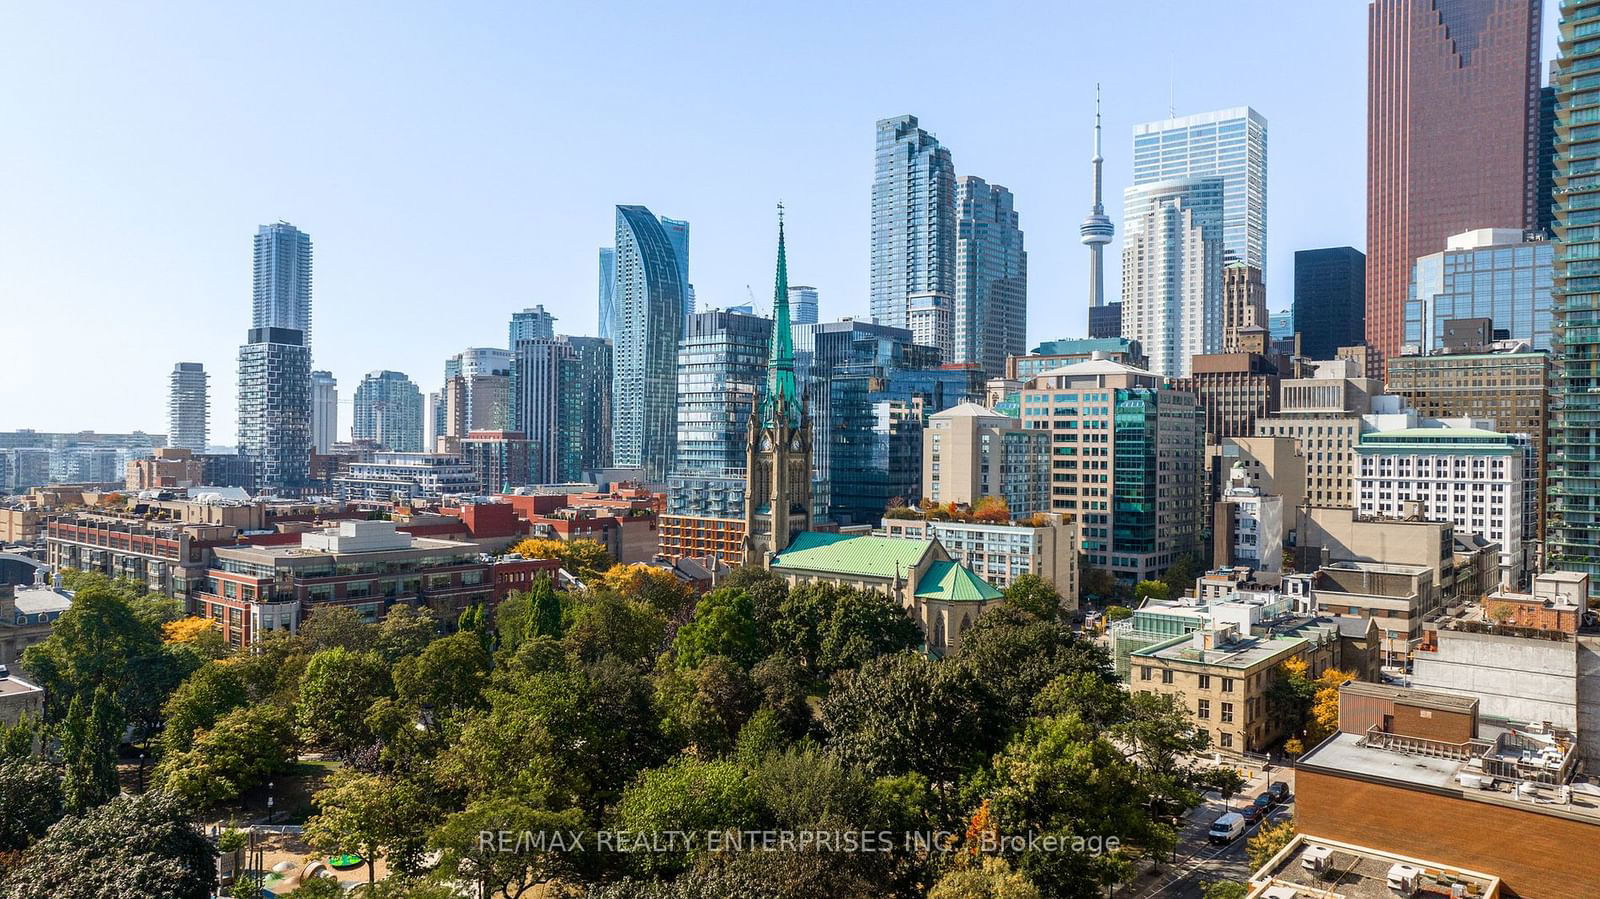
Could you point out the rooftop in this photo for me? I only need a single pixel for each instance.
(15, 686)
(968, 410)
(35, 600)
(1095, 367)
(881, 557)
(1353, 872)
(954, 582)
(1420, 698)
(1245, 651)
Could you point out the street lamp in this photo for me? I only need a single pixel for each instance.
(269, 802)
(141, 772)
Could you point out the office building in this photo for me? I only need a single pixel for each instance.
(1044, 546)
(501, 461)
(1572, 532)
(1126, 456)
(990, 310)
(282, 294)
(529, 324)
(1234, 389)
(188, 407)
(970, 452)
(1490, 273)
(1330, 305)
(171, 468)
(388, 412)
(1544, 202)
(678, 236)
(1056, 353)
(1172, 270)
(1511, 389)
(1324, 415)
(722, 374)
(802, 305)
(610, 319)
(649, 295)
(913, 223)
(324, 412)
(1105, 321)
(1230, 144)
(1452, 136)
(1249, 527)
(275, 408)
(1244, 303)
(1483, 482)
(1095, 232)
(537, 403)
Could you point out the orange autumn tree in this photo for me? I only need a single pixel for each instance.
(982, 831)
(992, 509)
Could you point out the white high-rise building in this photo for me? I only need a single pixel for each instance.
(1172, 271)
(1229, 143)
(324, 411)
(188, 407)
(282, 296)
(913, 223)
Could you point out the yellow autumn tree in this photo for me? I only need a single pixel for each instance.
(583, 558)
(982, 832)
(539, 548)
(199, 633)
(653, 586)
(1325, 704)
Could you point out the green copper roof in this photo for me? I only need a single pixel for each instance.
(867, 556)
(783, 394)
(954, 582)
(1414, 433)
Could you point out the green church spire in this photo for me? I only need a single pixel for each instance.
(783, 394)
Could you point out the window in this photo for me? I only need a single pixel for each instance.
(1144, 672)
(1227, 685)
(1227, 741)
(1166, 675)
(1227, 713)
(1203, 710)
(1205, 681)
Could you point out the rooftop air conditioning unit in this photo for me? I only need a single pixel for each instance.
(1403, 878)
(1316, 858)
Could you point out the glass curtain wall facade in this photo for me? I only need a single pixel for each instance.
(1228, 143)
(188, 407)
(1172, 271)
(608, 304)
(913, 222)
(1572, 534)
(1508, 283)
(388, 411)
(584, 427)
(1330, 300)
(650, 297)
(722, 373)
(275, 408)
(990, 311)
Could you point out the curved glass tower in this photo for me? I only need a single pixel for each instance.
(649, 297)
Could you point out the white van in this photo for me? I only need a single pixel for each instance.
(1227, 828)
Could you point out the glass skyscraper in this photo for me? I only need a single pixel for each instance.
(584, 425)
(1489, 273)
(282, 297)
(913, 222)
(388, 411)
(990, 311)
(530, 323)
(649, 296)
(1230, 143)
(275, 408)
(1572, 532)
(324, 411)
(608, 305)
(1172, 270)
(722, 372)
(678, 234)
(1330, 301)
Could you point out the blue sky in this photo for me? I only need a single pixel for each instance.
(456, 164)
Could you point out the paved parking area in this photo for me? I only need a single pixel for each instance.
(1197, 860)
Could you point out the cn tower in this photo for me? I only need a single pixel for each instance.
(1096, 229)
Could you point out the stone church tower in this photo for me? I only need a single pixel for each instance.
(778, 444)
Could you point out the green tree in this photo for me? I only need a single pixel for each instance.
(337, 691)
(445, 680)
(204, 696)
(724, 624)
(1118, 613)
(993, 879)
(1159, 591)
(1180, 576)
(514, 867)
(404, 632)
(247, 746)
(1012, 654)
(30, 801)
(1096, 583)
(330, 627)
(1269, 841)
(687, 795)
(706, 706)
(89, 739)
(23, 739)
(92, 644)
(1034, 594)
(783, 688)
(131, 846)
(607, 624)
(767, 591)
(373, 816)
(1224, 889)
(829, 627)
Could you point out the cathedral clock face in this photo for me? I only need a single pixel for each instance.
(794, 444)
(766, 443)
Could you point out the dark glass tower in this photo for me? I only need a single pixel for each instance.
(1330, 306)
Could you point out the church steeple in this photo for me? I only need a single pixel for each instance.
(783, 394)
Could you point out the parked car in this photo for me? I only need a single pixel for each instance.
(1257, 810)
(1279, 791)
(1227, 828)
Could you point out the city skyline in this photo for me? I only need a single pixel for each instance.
(514, 247)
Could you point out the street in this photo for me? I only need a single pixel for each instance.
(1197, 861)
